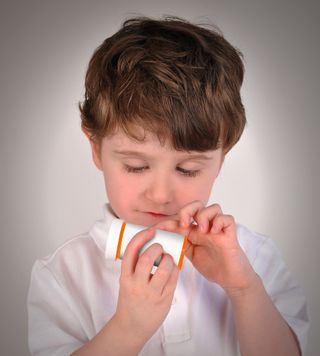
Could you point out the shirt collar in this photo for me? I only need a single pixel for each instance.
(99, 230)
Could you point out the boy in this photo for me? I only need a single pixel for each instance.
(161, 110)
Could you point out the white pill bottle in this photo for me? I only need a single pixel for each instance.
(120, 234)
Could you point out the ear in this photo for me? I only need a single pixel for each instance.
(221, 163)
(95, 149)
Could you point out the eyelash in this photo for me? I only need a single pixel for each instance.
(131, 169)
(188, 173)
(184, 172)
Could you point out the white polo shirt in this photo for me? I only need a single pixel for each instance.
(73, 293)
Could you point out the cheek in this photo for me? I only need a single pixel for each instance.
(197, 190)
(121, 191)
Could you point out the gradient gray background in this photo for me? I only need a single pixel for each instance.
(50, 190)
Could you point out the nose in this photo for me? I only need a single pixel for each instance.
(159, 190)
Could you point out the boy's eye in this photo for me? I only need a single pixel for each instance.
(132, 169)
(188, 172)
(141, 169)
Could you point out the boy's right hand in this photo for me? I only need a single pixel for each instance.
(144, 299)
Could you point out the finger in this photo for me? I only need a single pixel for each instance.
(131, 253)
(171, 284)
(187, 213)
(146, 261)
(171, 225)
(205, 217)
(196, 237)
(162, 274)
(225, 223)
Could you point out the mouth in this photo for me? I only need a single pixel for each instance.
(156, 215)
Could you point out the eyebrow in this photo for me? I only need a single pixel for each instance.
(141, 154)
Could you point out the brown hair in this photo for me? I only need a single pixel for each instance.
(169, 77)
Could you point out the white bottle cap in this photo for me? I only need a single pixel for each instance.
(120, 233)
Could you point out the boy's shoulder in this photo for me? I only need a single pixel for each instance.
(261, 250)
(84, 246)
(253, 242)
(248, 236)
(77, 251)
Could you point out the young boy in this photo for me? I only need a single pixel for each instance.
(162, 108)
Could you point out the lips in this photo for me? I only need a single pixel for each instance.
(156, 214)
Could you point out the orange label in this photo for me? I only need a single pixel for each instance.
(120, 240)
(182, 252)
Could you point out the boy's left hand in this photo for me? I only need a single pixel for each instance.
(213, 247)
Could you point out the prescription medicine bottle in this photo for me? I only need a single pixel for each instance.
(120, 233)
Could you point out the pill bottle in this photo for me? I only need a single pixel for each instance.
(120, 234)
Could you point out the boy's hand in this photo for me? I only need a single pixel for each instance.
(144, 299)
(213, 247)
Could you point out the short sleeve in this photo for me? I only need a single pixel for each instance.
(283, 289)
(53, 328)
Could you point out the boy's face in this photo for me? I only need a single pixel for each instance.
(146, 181)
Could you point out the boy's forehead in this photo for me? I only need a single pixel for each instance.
(122, 140)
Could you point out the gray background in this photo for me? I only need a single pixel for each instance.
(50, 190)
